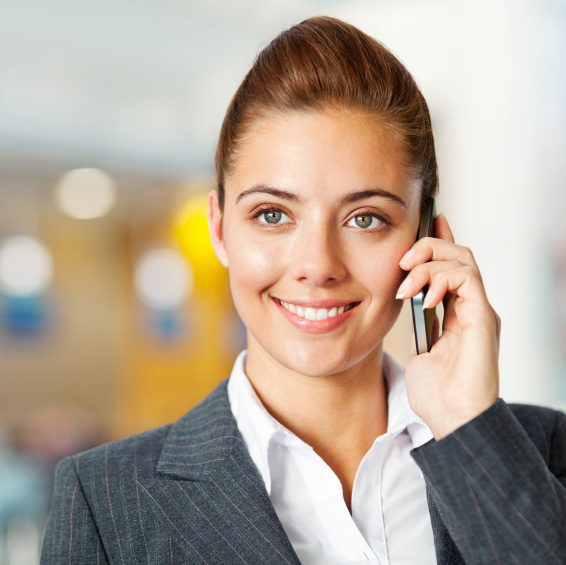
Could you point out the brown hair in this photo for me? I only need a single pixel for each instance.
(325, 63)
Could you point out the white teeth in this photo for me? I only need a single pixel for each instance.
(313, 314)
(291, 307)
(322, 314)
(310, 313)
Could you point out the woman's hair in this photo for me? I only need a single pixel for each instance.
(324, 63)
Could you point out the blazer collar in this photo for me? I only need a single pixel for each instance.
(199, 443)
(206, 448)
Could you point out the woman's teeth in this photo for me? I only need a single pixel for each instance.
(315, 313)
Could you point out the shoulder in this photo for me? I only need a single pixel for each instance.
(139, 454)
(126, 491)
(527, 413)
(539, 420)
(546, 427)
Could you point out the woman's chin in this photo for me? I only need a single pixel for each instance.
(310, 356)
(319, 362)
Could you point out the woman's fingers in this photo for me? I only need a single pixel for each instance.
(424, 249)
(441, 247)
(442, 229)
(447, 280)
(441, 276)
(449, 317)
(497, 322)
(452, 275)
(433, 249)
(463, 281)
(435, 334)
(421, 275)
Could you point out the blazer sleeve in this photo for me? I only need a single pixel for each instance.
(501, 498)
(71, 535)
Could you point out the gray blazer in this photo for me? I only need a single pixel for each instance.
(189, 493)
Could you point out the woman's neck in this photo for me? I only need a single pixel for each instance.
(338, 415)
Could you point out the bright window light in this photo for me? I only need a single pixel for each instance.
(26, 267)
(163, 279)
(85, 193)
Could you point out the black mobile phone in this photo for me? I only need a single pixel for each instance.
(423, 319)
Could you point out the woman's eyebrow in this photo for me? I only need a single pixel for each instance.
(370, 192)
(268, 190)
(349, 198)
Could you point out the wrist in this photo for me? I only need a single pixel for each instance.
(449, 422)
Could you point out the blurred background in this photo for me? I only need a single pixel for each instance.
(115, 316)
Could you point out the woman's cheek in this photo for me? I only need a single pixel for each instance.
(253, 265)
(378, 267)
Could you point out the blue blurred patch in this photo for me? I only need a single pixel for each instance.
(23, 315)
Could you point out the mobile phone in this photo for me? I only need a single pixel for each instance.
(423, 319)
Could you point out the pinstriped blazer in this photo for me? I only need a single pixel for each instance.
(189, 493)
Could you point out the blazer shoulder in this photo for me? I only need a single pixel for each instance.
(140, 453)
(546, 427)
(529, 412)
(537, 420)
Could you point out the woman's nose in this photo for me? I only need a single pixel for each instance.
(318, 259)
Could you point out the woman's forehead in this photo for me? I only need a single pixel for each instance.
(320, 155)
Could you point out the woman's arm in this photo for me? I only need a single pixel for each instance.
(501, 497)
(71, 535)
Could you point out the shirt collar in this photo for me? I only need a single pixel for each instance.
(255, 423)
(259, 428)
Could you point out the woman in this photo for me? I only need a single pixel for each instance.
(318, 449)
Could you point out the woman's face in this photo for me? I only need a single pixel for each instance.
(318, 211)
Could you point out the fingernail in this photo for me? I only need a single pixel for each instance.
(404, 287)
(407, 256)
(426, 302)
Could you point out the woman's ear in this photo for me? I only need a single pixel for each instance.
(214, 215)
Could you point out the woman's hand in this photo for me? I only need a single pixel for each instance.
(459, 378)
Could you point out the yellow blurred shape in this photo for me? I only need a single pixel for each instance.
(190, 229)
(161, 381)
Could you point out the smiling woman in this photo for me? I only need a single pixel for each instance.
(311, 172)
(319, 448)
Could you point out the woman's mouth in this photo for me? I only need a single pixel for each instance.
(321, 316)
(313, 314)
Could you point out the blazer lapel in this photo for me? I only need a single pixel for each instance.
(210, 493)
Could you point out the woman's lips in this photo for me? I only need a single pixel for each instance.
(316, 316)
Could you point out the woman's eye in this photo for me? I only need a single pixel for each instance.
(365, 221)
(273, 217)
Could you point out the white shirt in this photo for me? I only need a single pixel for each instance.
(390, 521)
